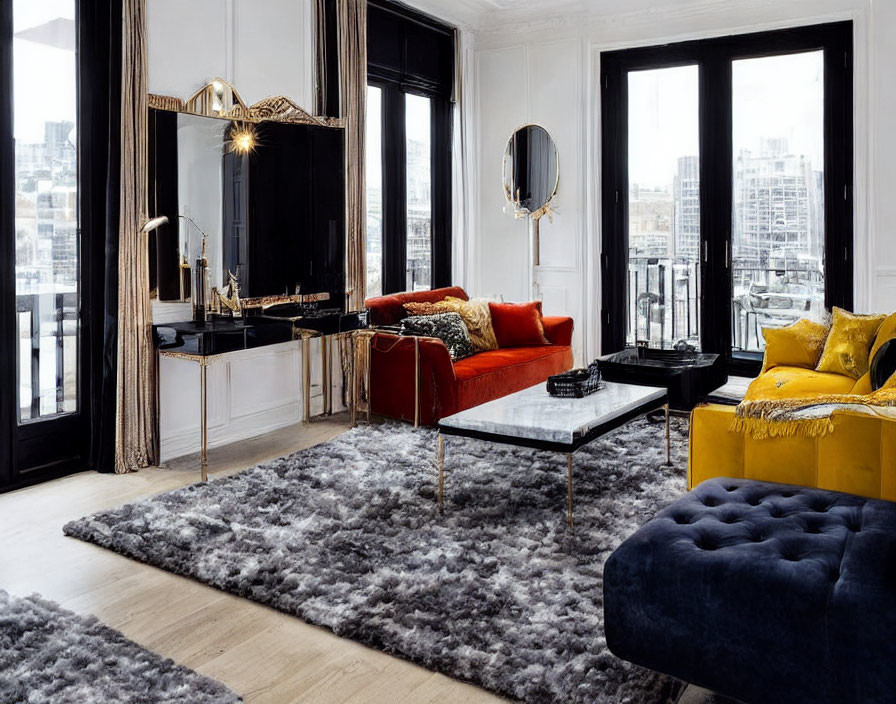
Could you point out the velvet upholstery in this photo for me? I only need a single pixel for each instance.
(762, 592)
(518, 324)
(446, 387)
(856, 457)
(389, 310)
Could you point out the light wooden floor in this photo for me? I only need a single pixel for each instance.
(262, 654)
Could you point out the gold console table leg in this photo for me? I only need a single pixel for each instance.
(325, 374)
(306, 378)
(203, 423)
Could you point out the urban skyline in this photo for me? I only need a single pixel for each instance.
(777, 250)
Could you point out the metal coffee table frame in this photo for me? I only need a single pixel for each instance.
(569, 449)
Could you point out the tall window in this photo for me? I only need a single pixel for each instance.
(727, 179)
(411, 76)
(46, 206)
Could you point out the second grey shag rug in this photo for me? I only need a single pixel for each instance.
(49, 654)
(495, 591)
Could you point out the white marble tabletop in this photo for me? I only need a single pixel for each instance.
(534, 414)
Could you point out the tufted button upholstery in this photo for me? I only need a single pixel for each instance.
(763, 592)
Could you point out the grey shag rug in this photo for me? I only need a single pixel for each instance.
(49, 654)
(495, 591)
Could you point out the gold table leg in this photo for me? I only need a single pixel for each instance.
(569, 482)
(203, 428)
(306, 378)
(668, 441)
(441, 471)
(325, 374)
(416, 382)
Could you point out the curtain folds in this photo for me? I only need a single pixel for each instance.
(99, 96)
(137, 430)
(353, 89)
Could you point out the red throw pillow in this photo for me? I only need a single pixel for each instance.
(518, 324)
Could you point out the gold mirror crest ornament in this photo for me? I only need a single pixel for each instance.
(220, 99)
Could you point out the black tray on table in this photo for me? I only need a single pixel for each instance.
(576, 383)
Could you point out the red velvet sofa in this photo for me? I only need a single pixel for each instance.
(446, 387)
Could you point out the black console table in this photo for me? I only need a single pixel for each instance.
(209, 342)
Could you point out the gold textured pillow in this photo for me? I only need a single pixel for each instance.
(426, 308)
(797, 345)
(478, 318)
(475, 313)
(848, 348)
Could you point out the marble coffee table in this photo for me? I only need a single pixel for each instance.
(534, 418)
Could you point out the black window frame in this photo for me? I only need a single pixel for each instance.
(398, 75)
(714, 58)
(40, 450)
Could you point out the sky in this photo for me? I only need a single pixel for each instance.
(44, 77)
(778, 96)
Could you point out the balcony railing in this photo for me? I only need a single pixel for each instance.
(47, 327)
(664, 300)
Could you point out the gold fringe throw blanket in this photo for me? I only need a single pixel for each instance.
(810, 417)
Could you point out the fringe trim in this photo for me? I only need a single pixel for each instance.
(765, 428)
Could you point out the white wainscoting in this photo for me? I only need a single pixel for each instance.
(250, 392)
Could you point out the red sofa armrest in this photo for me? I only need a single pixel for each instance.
(558, 329)
(392, 378)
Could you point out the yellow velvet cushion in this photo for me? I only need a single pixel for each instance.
(797, 345)
(796, 382)
(849, 343)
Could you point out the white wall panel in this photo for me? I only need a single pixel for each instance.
(503, 245)
(272, 50)
(187, 44)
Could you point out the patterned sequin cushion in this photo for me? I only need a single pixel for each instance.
(448, 327)
(475, 313)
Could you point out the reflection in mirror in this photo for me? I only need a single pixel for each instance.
(269, 197)
(531, 170)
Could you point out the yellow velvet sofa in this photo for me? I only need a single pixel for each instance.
(857, 457)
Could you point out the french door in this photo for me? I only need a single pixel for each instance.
(727, 188)
(43, 429)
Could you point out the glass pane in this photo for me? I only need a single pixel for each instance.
(664, 207)
(374, 191)
(46, 214)
(778, 228)
(419, 139)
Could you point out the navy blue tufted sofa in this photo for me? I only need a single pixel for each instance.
(762, 592)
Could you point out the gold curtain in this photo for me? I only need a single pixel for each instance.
(353, 90)
(320, 57)
(136, 439)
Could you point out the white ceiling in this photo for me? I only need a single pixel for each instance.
(492, 14)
